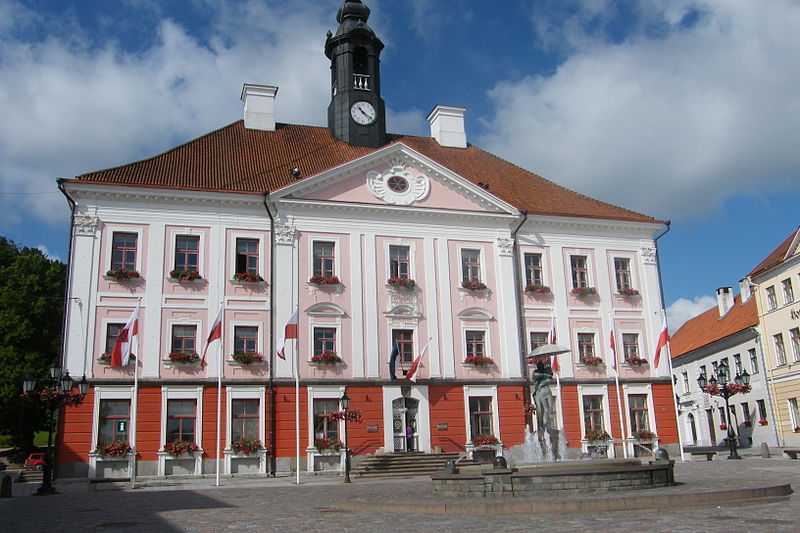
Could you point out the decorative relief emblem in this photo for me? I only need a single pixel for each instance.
(505, 246)
(284, 234)
(397, 185)
(85, 225)
(648, 253)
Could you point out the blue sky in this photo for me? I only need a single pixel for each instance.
(686, 110)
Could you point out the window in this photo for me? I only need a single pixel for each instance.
(247, 256)
(187, 248)
(325, 428)
(722, 418)
(244, 419)
(795, 333)
(746, 412)
(533, 269)
(580, 275)
(480, 416)
(245, 339)
(593, 413)
(112, 334)
(324, 340)
(470, 265)
(753, 361)
(586, 345)
(780, 351)
(737, 364)
(324, 259)
(788, 293)
(734, 419)
(622, 273)
(630, 346)
(399, 264)
(685, 376)
(183, 339)
(762, 410)
(538, 339)
(476, 343)
(772, 300)
(405, 344)
(794, 414)
(703, 371)
(123, 251)
(181, 416)
(114, 420)
(637, 405)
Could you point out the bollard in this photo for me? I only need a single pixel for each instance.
(661, 455)
(764, 450)
(499, 462)
(450, 467)
(6, 486)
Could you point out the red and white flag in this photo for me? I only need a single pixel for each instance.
(412, 372)
(289, 332)
(214, 334)
(663, 339)
(554, 361)
(613, 344)
(121, 355)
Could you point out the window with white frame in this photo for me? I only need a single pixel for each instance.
(638, 412)
(586, 346)
(533, 269)
(723, 418)
(762, 409)
(324, 426)
(245, 339)
(737, 364)
(475, 343)
(480, 416)
(123, 250)
(399, 262)
(114, 421)
(622, 273)
(772, 300)
(181, 420)
(753, 360)
(593, 413)
(187, 253)
(630, 346)
(404, 338)
(247, 256)
(470, 265)
(324, 259)
(788, 293)
(747, 415)
(183, 339)
(685, 376)
(245, 419)
(112, 334)
(538, 338)
(580, 272)
(795, 334)
(794, 414)
(324, 340)
(780, 350)
(703, 370)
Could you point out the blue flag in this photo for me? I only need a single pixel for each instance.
(393, 360)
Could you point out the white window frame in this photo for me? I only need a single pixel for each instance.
(576, 343)
(771, 298)
(780, 349)
(181, 392)
(545, 271)
(244, 392)
(794, 411)
(262, 253)
(319, 392)
(482, 391)
(192, 231)
(632, 264)
(337, 254)
(594, 390)
(621, 348)
(412, 251)
(478, 247)
(788, 296)
(171, 323)
(487, 338)
(639, 389)
(111, 392)
(110, 231)
(232, 328)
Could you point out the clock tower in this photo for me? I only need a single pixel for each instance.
(356, 114)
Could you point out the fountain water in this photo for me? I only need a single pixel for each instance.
(538, 450)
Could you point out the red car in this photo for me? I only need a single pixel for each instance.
(35, 461)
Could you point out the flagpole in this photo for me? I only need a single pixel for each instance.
(619, 396)
(219, 393)
(135, 403)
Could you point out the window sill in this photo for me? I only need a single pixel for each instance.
(325, 365)
(243, 282)
(168, 363)
(123, 280)
(175, 280)
(246, 365)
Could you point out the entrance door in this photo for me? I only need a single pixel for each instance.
(404, 423)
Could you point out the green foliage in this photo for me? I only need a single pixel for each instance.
(31, 310)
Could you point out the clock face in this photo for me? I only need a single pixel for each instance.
(363, 113)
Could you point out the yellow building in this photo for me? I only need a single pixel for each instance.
(777, 281)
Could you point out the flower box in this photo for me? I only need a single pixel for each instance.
(629, 292)
(325, 444)
(247, 277)
(597, 435)
(532, 288)
(644, 435)
(748, 423)
(479, 360)
(473, 285)
(324, 280)
(401, 283)
(763, 422)
(117, 448)
(245, 446)
(183, 358)
(485, 440)
(326, 358)
(592, 361)
(582, 292)
(247, 358)
(180, 447)
(723, 426)
(122, 274)
(105, 359)
(185, 275)
(636, 361)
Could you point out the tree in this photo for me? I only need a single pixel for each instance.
(31, 311)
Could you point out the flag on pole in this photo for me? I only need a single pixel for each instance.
(289, 332)
(613, 351)
(214, 334)
(393, 361)
(122, 347)
(663, 339)
(554, 361)
(412, 372)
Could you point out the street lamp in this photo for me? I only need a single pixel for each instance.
(721, 385)
(60, 394)
(345, 406)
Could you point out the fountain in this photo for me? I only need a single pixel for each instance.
(536, 449)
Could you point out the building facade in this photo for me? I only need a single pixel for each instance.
(428, 246)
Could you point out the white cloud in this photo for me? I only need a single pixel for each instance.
(42, 248)
(682, 310)
(698, 103)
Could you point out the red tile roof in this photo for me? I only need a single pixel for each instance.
(777, 255)
(236, 159)
(708, 327)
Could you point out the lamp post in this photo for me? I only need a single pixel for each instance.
(54, 394)
(345, 406)
(720, 385)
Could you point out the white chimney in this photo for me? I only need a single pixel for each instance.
(724, 300)
(745, 289)
(259, 106)
(447, 126)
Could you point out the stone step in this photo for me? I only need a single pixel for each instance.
(405, 464)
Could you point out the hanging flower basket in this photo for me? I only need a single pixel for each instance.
(185, 275)
(479, 360)
(597, 435)
(644, 435)
(50, 396)
(732, 388)
(247, 358)
(180, 447)
(473, 285)
(121, 274)
(183, 358)
(636, 361)
(117, 448)
(246, 446)
(326, 358)
(723, 426)
(326, 444)
(247, 277)
(629, 292)
(582, 292)
(485, 440)
(324, 280)
(401, 283)
(532, 288)
(350, 415)
(592, 361)
(763, 422)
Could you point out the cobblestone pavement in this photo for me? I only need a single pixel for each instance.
(278, 504)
